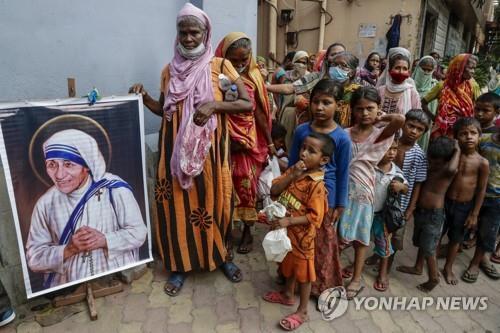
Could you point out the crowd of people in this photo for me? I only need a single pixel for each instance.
(355, 145)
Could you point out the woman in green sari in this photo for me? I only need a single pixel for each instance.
(424, 82)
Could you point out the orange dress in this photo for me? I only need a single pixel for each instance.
(192, 225)
(306, 196)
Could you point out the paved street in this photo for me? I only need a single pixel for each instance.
(210, 303)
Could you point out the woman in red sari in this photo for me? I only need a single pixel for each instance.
(456, 94)
(249, 132)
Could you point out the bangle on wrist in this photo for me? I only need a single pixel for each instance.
(270, 145)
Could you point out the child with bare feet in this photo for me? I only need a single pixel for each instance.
(302, 191)
(443, 156)
(489, 221)
(388, 176)
(466, 193)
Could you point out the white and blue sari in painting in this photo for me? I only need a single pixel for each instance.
(83, 196)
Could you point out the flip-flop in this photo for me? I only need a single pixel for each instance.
(277, 297)
(495, 259)
(294, 321)
(355, 291)
(347, 274)
(469, 277)
(490, 271)
(177, 281)
(231, 272)
(381, 289)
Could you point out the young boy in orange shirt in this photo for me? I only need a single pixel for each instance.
(302, 191)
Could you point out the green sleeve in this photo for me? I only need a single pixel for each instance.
(434, 92)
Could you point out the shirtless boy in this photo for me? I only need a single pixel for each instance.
(443, 157)
(466, 193)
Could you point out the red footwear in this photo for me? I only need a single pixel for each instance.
(347, 273)
(494, 258)
(291, 322)
(277, 297)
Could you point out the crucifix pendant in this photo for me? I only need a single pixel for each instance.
(99, 193)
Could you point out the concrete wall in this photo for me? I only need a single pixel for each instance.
(107, 44)
(347, 15)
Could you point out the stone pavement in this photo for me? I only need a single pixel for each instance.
(210, 303)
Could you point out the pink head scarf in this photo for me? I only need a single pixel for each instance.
(190, 82)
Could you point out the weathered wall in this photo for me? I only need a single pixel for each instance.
(347, 15)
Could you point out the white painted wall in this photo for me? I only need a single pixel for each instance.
(108, 44)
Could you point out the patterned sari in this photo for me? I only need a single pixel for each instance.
(248, 158)
(457, 97)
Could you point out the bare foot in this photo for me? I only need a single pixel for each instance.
(428, 286)
(381, 284)
(449, 276)
(409, 270)
(293, 321)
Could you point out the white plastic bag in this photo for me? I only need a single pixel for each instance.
(276, 245)
(271, 171)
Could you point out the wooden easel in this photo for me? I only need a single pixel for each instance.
(89, 290)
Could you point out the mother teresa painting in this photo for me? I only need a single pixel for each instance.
(88, 222)
(77, 186)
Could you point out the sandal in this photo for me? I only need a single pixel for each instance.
(490, 271)
(469, 277)
(381, 285)
(175, 280)
(292, 322)
(277, 297)
(495, 259)
(231, 271)
(351, 293)
(347, 273)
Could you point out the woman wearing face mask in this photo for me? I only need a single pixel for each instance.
(309, 80)
(193, 191)
(343, 71)
(424, 82)
(395, 86)
(368, 75)
(249, 132)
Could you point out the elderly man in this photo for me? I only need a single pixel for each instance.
(88, 222)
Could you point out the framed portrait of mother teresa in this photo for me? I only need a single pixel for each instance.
(75, 176)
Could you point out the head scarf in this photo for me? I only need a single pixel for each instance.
(253, 69)
(456, 100)
(423, 81)
(384, 77)
(78, 147)
(256, 79)
(299, 55)
(261, 59)
(190, 83)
